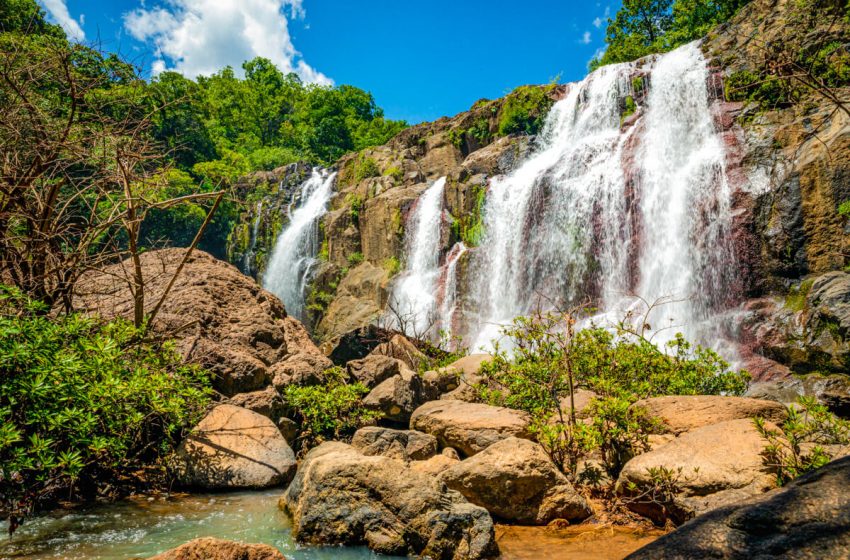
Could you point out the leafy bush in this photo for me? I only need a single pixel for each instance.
(797, 448)
(392, 265)
(84, 404)
(395, 172)
(525, 110)
(332, 411)
(366, 168)
(550, 361)
(355, 203)
(355, 258)
(844, 208)
(470, 227)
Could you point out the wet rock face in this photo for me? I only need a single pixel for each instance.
(809, 518)
(224, 321)
(209, 548)
(341, 496)
(809, 332)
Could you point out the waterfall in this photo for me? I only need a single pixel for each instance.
(618, 215)
(413, 305)
(448, 293)
(295, 250)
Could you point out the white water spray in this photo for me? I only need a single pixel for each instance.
(295, 250)
(413, 303)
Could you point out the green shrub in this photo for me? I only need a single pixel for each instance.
(797, 448)
(355, 258)
(332, 411)
(550, 361)
(355, 203)
(392, 265)
(470, 228)
(84, 404)
(395, 172)
(768, 91)
(366, 168)
(630, 108)
(524, 110)
(844, 208)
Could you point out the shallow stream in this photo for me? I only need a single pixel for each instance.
(140, 528)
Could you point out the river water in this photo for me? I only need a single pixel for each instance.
(140, 528)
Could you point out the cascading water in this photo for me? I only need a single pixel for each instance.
(617, 215)
(413, 305)
(248, 258)
(295, 250)
(448, 293)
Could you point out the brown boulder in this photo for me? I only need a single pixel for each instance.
(340, 496)
(400, 348)
(463, 374)
(209, 548)
(469, 427)
(227, 323)
(234, 448)
(687, 412)
(373, 370)
(299, 369)
(515, 480)
(267, 402)
(407, 445)
(397, 397)
(711, 466)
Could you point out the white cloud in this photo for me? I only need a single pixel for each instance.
(200, 37)
(585, 38)
(597, 23)
(58, 11)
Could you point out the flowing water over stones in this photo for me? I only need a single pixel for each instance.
(623, 210)
(294, 254)
(413, 302)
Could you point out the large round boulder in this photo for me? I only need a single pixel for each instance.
(515, 480)
(705, 468)
(233, 447)
(469, 427)
(342, 497)
(407, 445)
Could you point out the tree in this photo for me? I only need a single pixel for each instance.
(637, 30)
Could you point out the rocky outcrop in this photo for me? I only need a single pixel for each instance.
(469, 427)
(397, 397)
(400, 348)
(680, 414)
(373, 370)
(222, 319)
(809, 518)
(515, 480)
(209, 548)
(233, 447)
(705, 468)
(461, 377)
(831, 390)
(407, 445)
(267, 402)
(340, 496)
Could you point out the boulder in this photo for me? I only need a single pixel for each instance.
(469, 427)
(436, 464)
(711, 466)
(581, 398)
(400, 348)
(515, 480)
(808, 518)
(209, 548)
(687, 412)
(234, 447)
(397, 397)
(299, 369)
(267, 402)
(341, 497)
(356, 344)
(223, 320)
(373, 370)
(462, 377)
(407, 445)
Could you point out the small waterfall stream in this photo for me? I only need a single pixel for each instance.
(295, 250)
(413, 302)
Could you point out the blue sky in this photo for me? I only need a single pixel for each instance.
(421, 59)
